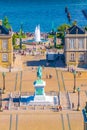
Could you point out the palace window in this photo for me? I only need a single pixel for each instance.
(72, 58)
(5, 44)
(81, 43)
(5, 57)
(81, 57)
(72, 42)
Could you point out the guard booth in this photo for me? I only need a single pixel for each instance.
(51, 56)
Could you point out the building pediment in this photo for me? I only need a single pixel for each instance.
(75, 30)
(3, 30)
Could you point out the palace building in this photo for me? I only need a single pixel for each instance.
(75, 49)
(6, 48)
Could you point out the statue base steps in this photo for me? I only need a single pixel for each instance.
(39, 100)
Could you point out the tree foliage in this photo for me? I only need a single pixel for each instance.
(61, 31)
(6, 23)
(15, 36)
(17, 47)
(63, 27)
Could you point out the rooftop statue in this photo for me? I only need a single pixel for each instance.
(39, 72)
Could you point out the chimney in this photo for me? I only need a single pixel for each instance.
(0, 22)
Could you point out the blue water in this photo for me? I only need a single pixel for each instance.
(43, 12)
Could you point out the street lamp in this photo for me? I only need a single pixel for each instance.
(10, 67)
(74, 89)
(0, 100)
(14, 57)
(78, 106)
(3, 74)
(20, 36)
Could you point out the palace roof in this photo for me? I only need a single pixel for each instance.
(3, 30)
(75, 30)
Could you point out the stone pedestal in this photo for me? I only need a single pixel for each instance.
(39, 95)
(39, 98)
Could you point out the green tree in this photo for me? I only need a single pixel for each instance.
(20, 36)
(61, 31)
(63, 27)
(14, 39)
(17, 35)
(6, 23)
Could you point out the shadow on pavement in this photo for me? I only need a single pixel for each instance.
(58, 62)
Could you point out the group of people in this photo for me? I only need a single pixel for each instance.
(59, 108)
(48, 76)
